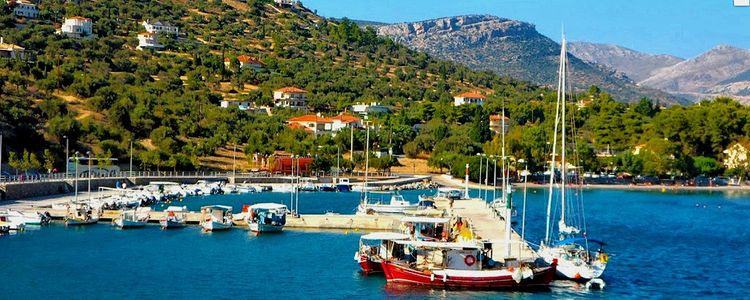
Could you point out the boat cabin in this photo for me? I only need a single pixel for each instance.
(449, 193)
(427, 228)
(425, 255)
(374, 244)
(218, 213)
(268, 213)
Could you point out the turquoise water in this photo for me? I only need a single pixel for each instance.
(661, 245)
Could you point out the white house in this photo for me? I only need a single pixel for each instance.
(291, 97)
(77, 27)
(240, 104)
(24, 9)
(160, 27)
(285, 2)
(469, 98)
(496, 122)
(11, 50)
(246, 61)
(372, 108)
(147, 40)
(320, 124)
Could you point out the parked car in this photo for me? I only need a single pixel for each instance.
(720, 181)
(701, 181)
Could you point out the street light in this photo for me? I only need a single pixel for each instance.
(67, 156)
(480, 175)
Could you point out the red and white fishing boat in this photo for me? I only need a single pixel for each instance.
(372, 247)
(460, 265)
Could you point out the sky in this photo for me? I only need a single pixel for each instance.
(681, 28)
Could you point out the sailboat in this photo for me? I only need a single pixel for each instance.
(569, 245)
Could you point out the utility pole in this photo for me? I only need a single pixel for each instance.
(130, 170)
(76, 178)
(67, 156)
(234, 169)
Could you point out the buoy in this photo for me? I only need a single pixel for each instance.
(663, 190)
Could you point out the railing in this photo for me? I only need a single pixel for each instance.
(166, 174)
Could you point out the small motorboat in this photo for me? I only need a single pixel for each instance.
(266, 217)
(81, 214)
(216, 217)
(328, 188)
(131, 218)
(372, 247)
(397, 205)
(26, 218)
(175, 217)
(344, 185)
(6, 224)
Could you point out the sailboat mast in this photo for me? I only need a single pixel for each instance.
(367, 159)
(554, 148)
(563, 162)
(504, 190)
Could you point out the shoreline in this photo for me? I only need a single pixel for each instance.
(459, 183)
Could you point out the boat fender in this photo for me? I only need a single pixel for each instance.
(469, 260)
(604, 258)
(445, 277)
(432, 277)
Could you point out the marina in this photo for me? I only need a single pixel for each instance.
(328, 253)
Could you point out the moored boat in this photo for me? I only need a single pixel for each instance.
(343, 185)
(131, 218)
(216, 217)
(397, 205)
(15, 216)
(372, 247)
(81, 214)
(174, 218)
(460, 265)
(6, 224)
(266, 217)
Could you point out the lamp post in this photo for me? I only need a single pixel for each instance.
(76, 178)
(480, 175)
(89, 158)
(130, 169)
(67, 156)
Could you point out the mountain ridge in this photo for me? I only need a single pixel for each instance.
(511, 48)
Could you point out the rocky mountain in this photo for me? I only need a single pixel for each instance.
(636, 65)
(511, 48)
(722, 71)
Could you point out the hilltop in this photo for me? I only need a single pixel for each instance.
(513, 48)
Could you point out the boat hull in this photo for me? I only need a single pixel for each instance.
(78, 222)
(215, 226)
(165, 224)
(398, 274)
(255, 227)
(344, 188)
(385, 209)
(368, 266)
(125, 224)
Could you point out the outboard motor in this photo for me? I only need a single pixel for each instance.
(45, 217)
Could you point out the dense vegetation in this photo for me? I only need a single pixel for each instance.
(101, 94)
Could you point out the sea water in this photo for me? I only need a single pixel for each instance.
(661, 244)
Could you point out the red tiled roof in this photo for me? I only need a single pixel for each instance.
(299, 126)
(497, 118)
(80, 18)
(290, 89)
(246, 59)
(309, 118)
(346, 118)
(471, 95)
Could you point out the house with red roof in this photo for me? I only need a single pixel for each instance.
(290, 97)
(319, 124)
(246, 61)
(496, 122)
(469, 98)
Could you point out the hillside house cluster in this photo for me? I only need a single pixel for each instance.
(319, 124)
(77, 26)
(469, 98)
(290, 97)
(11, 50)
(157, 26)
(150, 38)
(22, 8)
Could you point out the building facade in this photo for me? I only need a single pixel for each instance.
(77, 27)
(290, 97)
(469, 98)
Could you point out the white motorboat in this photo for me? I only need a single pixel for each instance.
(131, 218)
(25, 218)
(266, 217)
(216, 217)
(8, 224)
(175, 217)
(397, 205)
